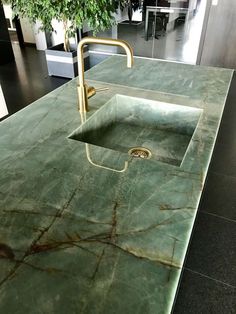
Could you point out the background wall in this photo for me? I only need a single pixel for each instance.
(27, 30)
(6, 52)
(3, 107)
(220, 39)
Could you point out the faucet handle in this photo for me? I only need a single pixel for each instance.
(91, 91)
(85, 92)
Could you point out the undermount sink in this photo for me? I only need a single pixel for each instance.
(124, 123)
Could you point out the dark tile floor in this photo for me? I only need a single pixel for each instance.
(209, 278)
(26, 79)
(200, 294)
(208, 282)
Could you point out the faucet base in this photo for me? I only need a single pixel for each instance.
(85, 92)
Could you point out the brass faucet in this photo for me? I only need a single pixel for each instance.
(85, 91)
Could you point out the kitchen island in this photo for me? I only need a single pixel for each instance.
(76, 238)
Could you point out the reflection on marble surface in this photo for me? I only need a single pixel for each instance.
(92, 162)
(80, 239)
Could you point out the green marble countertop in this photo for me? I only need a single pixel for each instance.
(75, 238)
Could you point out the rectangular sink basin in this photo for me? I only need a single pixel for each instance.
(124, 123)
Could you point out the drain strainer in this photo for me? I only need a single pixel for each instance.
(140, 152)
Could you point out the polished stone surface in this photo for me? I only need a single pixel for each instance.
(79, 238)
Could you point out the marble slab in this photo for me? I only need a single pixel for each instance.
(79, 238)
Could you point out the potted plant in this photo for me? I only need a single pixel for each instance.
(133, 5)
(98, 14)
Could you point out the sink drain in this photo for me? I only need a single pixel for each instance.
(140, 152)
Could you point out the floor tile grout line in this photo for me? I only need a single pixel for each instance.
(215, 215)
(209, 277)
(218, 142)
(221, 174)
(225, 125)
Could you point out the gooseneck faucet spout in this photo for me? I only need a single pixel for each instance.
(86, 92)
